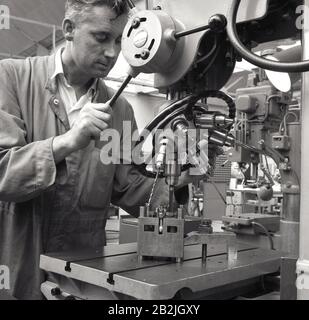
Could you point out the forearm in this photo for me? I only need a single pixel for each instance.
(62, 147)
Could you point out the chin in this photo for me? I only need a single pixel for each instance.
(97, 74)
(100, 73)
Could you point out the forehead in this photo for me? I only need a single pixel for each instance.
(104, 19)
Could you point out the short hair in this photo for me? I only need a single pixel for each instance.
(76, 8)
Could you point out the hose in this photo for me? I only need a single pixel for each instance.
(271, 242)
(175, 109)
(302, 66)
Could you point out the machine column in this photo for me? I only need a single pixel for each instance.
(303, 261)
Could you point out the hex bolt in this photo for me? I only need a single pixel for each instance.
(136, 23)
(145, 54)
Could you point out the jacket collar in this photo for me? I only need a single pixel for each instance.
(51, 83)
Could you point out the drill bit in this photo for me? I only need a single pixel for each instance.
(152, 190)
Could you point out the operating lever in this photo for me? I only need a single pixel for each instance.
(120, 90)
(114, 99)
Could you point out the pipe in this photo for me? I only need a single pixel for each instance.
(39, 23)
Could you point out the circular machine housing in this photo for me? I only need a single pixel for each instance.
(148, 42)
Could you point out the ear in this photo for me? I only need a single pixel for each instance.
(68, 28)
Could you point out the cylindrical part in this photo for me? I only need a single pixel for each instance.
(160, 160)
(204, 199)
(141, 212)
(221, 138)
(205, 121)
(147, 209)
(172, 172)
(191, 31)
(254, 171)
(180, 124)
(212, 121)
(204, 253)
(290, 209)
(303, 294)
(289, 227)
(180, 213)
(171, 199)
(289, 231)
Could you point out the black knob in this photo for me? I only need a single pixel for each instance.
(55, 292)
(217, 23)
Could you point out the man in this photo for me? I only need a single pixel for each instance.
(54, 190)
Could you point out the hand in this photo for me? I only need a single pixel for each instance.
(92, 120)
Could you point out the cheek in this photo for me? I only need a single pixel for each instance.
(86, 53)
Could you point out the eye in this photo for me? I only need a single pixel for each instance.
(100, 37)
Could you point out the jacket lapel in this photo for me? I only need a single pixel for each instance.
(55, 102)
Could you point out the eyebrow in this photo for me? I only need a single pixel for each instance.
(106, 33)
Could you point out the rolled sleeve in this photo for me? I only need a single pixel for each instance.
(46, 167)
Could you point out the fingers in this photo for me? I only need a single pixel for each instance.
(99, 111)
(102, 107)
(98, 123)
(102, 116)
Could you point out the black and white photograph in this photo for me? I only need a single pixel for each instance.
(155, 151)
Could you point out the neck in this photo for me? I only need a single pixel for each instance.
(74, 76)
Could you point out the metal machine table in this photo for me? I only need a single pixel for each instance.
(118, 270)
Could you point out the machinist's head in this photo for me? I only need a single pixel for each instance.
(93, 30)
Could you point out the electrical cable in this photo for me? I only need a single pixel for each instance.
(271, 242)
(174, 109)
(302, 66)
(210, 53)
(210, 64)
(218, 191)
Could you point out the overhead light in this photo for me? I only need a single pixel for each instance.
(281, 80)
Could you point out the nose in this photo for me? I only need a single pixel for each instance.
(111, 50)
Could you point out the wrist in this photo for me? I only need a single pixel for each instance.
(68, 142)
(63, 145)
